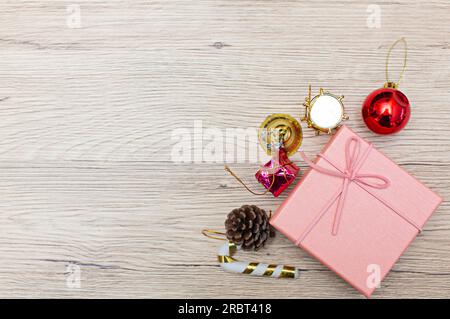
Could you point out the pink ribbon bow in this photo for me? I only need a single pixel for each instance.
(349, 175)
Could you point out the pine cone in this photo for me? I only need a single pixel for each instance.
(249, 227)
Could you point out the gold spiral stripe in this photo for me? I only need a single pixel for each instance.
(232, 248)
(287, 272)
(269, 271)
(226, 259)
(250, 268)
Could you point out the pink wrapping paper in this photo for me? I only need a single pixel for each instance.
(376, 225)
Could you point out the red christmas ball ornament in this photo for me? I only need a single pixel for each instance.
(386, 110)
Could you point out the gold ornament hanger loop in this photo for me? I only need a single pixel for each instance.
(212, 234)
(228, 169)
(390, 83)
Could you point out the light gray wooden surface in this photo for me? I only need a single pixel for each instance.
(86, 117)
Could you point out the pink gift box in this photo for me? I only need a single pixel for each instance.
(355, 210)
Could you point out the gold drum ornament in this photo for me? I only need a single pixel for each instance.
(324, 112)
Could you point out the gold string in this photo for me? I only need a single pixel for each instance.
(309, 94)
(404, 60)
(208, 232)
(246, 187)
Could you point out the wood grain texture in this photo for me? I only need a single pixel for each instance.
(86, 174)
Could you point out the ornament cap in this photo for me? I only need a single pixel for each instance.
(391, 85)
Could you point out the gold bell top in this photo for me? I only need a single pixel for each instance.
(280, 128)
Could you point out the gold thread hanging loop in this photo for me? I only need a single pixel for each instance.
(211, 234)
(395, 84)
(245, 185)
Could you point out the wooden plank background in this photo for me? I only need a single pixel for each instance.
(87, 113)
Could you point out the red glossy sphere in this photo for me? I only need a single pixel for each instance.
(386, 111)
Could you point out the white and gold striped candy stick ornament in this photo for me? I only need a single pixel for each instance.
(230, 264)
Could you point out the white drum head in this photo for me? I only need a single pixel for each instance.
(326, 111)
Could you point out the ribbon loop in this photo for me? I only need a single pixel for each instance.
(366, 180)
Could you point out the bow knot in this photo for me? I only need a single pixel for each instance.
(350, 175)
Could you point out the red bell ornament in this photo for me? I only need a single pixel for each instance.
(387, 110)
